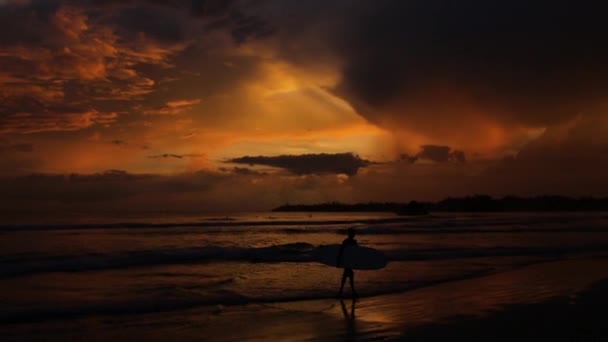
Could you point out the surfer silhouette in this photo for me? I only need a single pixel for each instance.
(348, 272)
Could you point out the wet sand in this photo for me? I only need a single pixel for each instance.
(556, 301)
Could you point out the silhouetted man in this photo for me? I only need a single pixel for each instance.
(348, 272)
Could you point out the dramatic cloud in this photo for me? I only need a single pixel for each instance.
(566, 158)
(171, 91)
(478, 75)
(439, 154)
(341, 163)
(68, 70)
(511, 58)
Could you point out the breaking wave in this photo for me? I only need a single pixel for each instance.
(299, 252)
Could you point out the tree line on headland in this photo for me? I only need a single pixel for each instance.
(476, 203)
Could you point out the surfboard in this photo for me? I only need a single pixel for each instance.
(355, 257)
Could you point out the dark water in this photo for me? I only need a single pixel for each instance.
(133, 266)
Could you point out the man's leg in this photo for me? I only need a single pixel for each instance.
(343, 281)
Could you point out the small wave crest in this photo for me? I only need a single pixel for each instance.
(299, 252)
(293, 252)
(212, 301)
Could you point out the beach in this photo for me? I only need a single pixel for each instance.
(555, 301)
(518, 283)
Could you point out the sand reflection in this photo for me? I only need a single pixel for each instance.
(349, 318)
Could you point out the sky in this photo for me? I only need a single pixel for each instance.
(237, 105)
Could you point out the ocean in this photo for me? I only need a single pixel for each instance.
(91, 267)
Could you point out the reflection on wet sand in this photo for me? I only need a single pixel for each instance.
(349, 318)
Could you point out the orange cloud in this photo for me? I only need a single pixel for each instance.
(27, 123)
(173, 107)
(67, 82)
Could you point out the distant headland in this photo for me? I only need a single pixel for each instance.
(476, 203)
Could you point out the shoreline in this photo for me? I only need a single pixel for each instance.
(567, 294)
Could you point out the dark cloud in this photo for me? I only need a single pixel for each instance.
(175, 156)
(243, 171)
(340, 163)
(249, 27)
(458, 156)
(439, 154)
(153, 21)
(152, 18)
(37, 14)
(567, 159)
(212, 8)
(461, 73)
(232, 16)
(435, 153)
(515, 57)
(407, 158)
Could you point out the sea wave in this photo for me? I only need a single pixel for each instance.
(370, 226)
(299, 252)
(198, 224)
(214, 301)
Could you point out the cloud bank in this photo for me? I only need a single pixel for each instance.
(340, 163)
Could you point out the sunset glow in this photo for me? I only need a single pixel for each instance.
(173, 90)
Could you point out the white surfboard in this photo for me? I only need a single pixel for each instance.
(355, 257)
